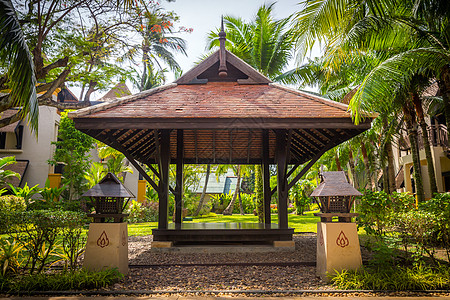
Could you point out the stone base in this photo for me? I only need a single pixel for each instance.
(157, 244)
(337, 248)
(107, 247)
(284, 244)
(228, 249)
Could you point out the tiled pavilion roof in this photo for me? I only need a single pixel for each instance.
(223, 118)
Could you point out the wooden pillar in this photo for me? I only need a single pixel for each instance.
(179, 179)
(282, 184)
(266, 177)
(164, 163)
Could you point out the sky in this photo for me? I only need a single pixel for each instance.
(205, 15)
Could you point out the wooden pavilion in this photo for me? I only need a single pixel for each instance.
(221, 112)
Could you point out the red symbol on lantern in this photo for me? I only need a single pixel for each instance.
(103, 240)
(321, 241)
(124, 239)
(342, 240)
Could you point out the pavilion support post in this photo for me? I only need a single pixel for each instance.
(179, 177)
(282, 183)
(266, 177)
(164, 163)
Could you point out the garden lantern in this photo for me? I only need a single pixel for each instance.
(107, 243)
(334, 194)
(337, 242)
(109, 196)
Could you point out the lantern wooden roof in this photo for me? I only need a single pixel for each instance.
(223, 117)
(335, 184)
(109, 186)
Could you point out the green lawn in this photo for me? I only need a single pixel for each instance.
(306, 223)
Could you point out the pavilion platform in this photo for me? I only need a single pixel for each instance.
(223, 233)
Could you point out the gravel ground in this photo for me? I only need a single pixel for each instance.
(256, 277)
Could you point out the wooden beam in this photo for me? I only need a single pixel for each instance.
(266, 177)
(309, 165)
(163, 195)
(196, 146)
(249, 145)
(311, 137)
(144, 174)
(179, 178)
(292, 170)
(288, 146)
(220, 123)
(282, 184)
(302, 140)
(231, 145)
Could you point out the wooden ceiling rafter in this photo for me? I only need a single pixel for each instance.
(318, 132)
(311, 137)
(121, 134)
(132, 137)
(302, 139)
(293, 152)
(299, 146)
(146, 141)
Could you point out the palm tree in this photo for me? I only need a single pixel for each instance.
(158, 46)
(264, 43)
(411, 39)
(205, 186)
(20, 79)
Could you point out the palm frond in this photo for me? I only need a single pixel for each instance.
(396, 73)
(14, 50)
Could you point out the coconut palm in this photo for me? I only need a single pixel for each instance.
(158, 45)
(413, 40)
(264, 43)
(16, 58)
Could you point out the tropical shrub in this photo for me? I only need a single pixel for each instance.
(142, 212)
(6, 174)
(248, 204)
(399, 278)
(80, 279)
(72, 239)
(38, 231)
(12, 203)
(11, 256)
(439, 207)
(51, 195)
(26, 192)
(72, 150)
(398, 225)
(377, 208)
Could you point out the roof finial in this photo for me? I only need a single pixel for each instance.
(223, 72)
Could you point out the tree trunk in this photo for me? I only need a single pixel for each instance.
(352, 168)
(338, 162)
(426, 143)
(241, 208)
(390, 167)
(259, 193)
(444, 87)
(366, 163)
(202, 197)
(411, 126)
(229, 210)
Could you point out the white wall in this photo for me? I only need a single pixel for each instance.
(38, 150)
